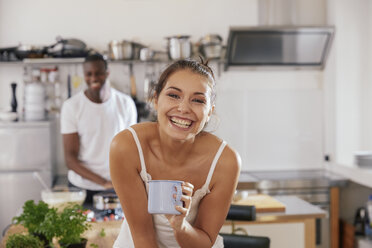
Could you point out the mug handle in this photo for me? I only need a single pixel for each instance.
(178, 192)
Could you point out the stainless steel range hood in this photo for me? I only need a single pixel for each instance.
(304, 47)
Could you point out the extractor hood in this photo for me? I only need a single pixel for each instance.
(304, 47)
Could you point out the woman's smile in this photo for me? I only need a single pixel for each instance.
(181, 122)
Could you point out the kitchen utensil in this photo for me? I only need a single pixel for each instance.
(68, 86)
(120, 50)
(133, 87)
(30, 51)
(61, 198)
(8, 54)
(41, 181)
(8, 116)
(104, 200)
(146, 54)
(68, 48)
(179, 47)
(34, 104)
(160, 197)
(136, 50)
(363, 158)
(211, 39)
(262, 202)
(14, 103)
(211, 46)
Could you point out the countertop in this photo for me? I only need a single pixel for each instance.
(290, 179)
(296, 208)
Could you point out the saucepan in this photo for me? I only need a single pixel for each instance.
(121, 50)
(211, 46)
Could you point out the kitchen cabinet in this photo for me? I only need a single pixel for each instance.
(25, 159)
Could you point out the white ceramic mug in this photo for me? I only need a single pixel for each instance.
(160, 198)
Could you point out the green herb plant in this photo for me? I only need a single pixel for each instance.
(33, 215)
(71, 223)
(24, 241)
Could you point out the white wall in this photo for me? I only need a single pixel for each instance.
(350, 78)
(273, 118)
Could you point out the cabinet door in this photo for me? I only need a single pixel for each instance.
(25, 147)
(15, 189)
(289, 235)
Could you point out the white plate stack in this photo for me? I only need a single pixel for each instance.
(34, 102)
(363, 158)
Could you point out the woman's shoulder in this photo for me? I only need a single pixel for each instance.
(143, 131)
(229, 158)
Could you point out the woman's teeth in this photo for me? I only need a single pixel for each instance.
(181, 123)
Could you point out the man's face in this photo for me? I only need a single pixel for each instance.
(95, 75)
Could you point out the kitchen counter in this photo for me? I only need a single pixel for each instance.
(293, 228)
(256, 180)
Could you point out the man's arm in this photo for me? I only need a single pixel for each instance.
(71, 148)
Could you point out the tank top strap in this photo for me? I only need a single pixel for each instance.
(142, 159)
(213, 166)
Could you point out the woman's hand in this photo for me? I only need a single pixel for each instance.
(176, 221)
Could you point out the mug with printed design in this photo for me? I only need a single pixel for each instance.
(160, 197)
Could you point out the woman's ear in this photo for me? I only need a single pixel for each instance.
(211, 110)
(155, 101)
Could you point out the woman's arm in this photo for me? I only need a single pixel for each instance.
(125, 174)
(213, 207)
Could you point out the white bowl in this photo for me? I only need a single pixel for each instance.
(8, 116)
(61, 198)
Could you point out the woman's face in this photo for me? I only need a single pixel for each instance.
(184, 104)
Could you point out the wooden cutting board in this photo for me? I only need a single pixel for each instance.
(263, 203)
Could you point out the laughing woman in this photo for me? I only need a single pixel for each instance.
(175, 148)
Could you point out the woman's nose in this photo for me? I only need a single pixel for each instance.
(184, 106)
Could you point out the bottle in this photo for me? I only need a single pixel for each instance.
(368, 227)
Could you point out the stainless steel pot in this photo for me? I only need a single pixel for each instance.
(103, 201)
(146, 54)
(136, 50)
(211, 46)
(179, 47)
(120, 50)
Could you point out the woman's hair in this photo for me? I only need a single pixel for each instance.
(201, 68)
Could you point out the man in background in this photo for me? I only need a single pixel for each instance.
(89, 121)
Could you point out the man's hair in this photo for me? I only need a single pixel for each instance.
(94, 58)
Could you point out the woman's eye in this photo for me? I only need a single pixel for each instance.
(199, 101)
(173, 95)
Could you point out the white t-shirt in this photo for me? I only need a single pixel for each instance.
(96, 125)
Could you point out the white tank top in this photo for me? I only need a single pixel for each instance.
(164, 232)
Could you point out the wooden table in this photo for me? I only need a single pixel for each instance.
(298, 213)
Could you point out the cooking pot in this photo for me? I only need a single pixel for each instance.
(146, 54)
(179, 47)
(119, 50)
(211, 46)
(137, 50)
(104, 201)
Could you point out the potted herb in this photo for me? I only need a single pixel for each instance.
(70, 225)
(24, 241)
(32, 217)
